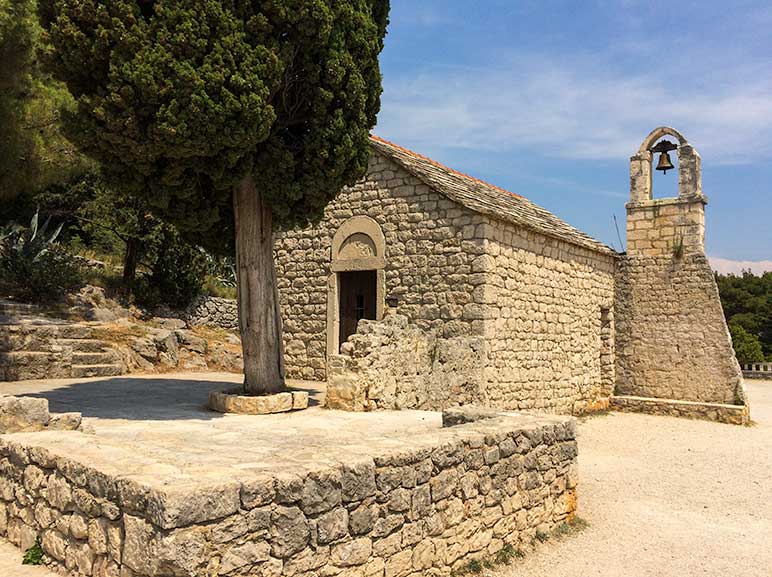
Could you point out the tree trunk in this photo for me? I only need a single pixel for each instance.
(130, 258)
(259, 315)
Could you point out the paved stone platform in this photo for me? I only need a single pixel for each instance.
(162, 486)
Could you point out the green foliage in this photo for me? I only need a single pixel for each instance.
(33, 555)
(177, 270)
(568, 528)
(746, 345)
(747, 302)
(507, 554)
(33, 151)
(16, 54)
(179, 101)
(32, 266)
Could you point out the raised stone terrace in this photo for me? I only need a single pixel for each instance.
(160, 486)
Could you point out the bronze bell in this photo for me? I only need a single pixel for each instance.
(665, 163)
(664, 148)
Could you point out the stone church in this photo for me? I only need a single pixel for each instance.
(424, 288)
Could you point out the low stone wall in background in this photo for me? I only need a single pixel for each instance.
(392, 364)
(731, 414)
(450, 496)
(213, 312)
(758, 371)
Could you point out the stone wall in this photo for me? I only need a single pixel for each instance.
(430, 263)
(213, 312)
(545, 311)
(549, 323)
(672, 340)
(458, 494)
(393, 364)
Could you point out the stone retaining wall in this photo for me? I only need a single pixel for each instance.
(459, 494)
(213, 312)
(732, 414)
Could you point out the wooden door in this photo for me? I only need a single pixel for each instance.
(357, 300)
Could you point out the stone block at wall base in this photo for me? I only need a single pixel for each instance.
(763, 375)
(731, 414)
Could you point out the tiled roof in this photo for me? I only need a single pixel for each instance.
(485, 198)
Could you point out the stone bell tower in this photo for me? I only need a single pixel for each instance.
(656, 227)
(674, 352)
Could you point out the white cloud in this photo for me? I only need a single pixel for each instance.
(726, 266)
(581, 107)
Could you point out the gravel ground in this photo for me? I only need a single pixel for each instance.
(668, 497)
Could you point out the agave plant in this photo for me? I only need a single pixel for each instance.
(32, 243)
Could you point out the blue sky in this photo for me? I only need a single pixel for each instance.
(550, 98)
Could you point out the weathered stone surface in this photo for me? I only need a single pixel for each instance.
(65, 421)
(467, 414)
(233, 402)
(355, 552)
(358, 481)
(19, 414)
(180, 507)
(321, 491)
(245, 555)
(191, 342)
(332, 526)
(213, 312)
(289, 531)
(257, 492)
(299, 400)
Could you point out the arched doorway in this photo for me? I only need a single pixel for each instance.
(356, 285)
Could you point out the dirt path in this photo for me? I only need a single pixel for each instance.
(667, 497)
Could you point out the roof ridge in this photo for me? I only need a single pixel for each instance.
(481, 196)
(443, 166)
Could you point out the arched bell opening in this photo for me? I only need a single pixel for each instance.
(664, 168)
(662, 151)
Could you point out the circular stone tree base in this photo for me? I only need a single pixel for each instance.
(234, 401)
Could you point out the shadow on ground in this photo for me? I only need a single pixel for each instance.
(131, 398)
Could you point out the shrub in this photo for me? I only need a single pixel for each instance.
(177, 274)
(33, 267)
(33, 555)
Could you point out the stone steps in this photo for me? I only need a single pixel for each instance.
(38, 347)
(100, 358)
(83, 345)
(10, 308)
(83, 371)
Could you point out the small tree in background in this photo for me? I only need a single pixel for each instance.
(229, 118)
(747, 347)
(33, 151)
